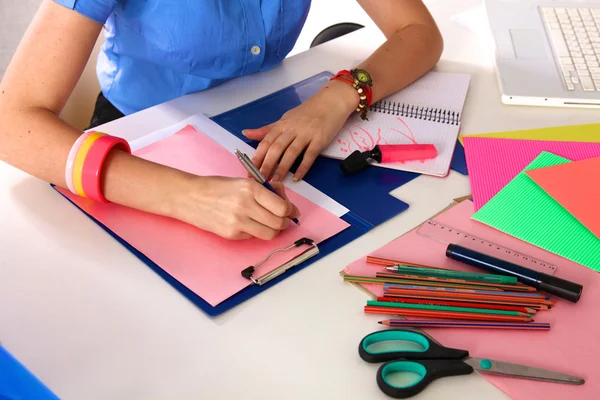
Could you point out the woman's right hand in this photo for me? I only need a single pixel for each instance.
(234, 208)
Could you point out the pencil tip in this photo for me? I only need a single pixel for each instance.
(379, 322)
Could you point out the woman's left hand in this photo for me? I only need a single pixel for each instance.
(311, 126)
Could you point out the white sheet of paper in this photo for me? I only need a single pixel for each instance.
(443, 92)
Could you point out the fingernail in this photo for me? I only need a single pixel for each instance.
(296, 178)
(244, 132)
(275, 178)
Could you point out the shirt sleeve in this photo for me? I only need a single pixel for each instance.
(98, 10)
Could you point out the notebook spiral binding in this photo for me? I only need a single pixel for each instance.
(411, 111)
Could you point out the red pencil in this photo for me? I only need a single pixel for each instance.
(480, 301)
(459, 304)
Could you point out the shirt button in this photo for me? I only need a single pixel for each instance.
(255, 50)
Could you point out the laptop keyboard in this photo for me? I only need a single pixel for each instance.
(575, 38)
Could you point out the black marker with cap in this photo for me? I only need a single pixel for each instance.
(550, 284)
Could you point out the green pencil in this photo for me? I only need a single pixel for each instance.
(375, 303)
(445, 273)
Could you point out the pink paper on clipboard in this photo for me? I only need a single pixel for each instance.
(568, 347)
(205, 263)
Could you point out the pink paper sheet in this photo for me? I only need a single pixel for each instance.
(571, 345)
(492, 163)
(575, 187)
(205, 263)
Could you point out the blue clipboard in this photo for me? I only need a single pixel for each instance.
(17, 382)
(366, 196)
(357, 228)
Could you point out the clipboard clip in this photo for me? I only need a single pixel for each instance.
(299, 259)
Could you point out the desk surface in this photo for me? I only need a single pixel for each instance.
(92, 321)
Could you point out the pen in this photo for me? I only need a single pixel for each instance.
(548, 283)
(251, 168)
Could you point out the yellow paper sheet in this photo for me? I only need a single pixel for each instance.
(569, 133)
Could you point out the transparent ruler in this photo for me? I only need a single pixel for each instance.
(447, 234)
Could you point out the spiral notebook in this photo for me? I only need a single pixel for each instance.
(426, 112)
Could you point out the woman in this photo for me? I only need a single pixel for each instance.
(157, 50)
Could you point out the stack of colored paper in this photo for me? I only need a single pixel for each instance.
(543, 192)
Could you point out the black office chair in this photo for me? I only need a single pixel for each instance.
(334, 31)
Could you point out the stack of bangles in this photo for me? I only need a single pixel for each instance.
(85, 162)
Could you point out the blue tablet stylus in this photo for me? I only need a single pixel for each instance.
(247, 163)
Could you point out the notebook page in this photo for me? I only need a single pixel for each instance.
(437, 90)
(426, 112)
(391, 129)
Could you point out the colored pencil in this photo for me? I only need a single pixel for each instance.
(459, 295)
(528, 310)
(388, 263)
(375, 303)
(432, 282)
(391, 287)
(471, 298)
(447, 273)
(394, 276)
(532, 326)
(445, 314)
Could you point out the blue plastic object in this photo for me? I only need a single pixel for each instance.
(18, 383)
(366, 196)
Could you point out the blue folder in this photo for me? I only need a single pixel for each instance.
(365, 195)
(18, 383)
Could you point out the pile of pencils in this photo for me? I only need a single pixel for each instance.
(449, 298)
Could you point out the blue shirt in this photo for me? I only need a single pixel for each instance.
(157, 50)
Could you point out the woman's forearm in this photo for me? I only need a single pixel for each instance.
(405, 56)
(38, 142)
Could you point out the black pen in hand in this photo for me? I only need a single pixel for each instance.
(256, 174)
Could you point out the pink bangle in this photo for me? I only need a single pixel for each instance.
(92, 166)
(71, 161)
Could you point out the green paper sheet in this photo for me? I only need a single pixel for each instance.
(524, 210)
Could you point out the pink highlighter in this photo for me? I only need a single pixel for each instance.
(387, 153)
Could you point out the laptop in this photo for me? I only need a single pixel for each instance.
(547, 52)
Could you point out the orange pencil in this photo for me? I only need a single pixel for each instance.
(390, 277)
(389, 263)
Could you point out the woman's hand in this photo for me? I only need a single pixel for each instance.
(234, 208)
(311, 126)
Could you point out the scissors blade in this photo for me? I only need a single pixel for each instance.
(521, 371)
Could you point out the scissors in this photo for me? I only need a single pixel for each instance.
(431, 361)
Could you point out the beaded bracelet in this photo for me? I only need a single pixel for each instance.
(361, 81)
(85, 162)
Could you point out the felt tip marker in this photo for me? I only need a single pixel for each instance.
(550, 284)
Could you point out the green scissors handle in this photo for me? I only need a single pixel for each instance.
(428, 359)
(427, 348)
(427, 370)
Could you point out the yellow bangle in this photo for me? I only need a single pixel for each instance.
(81, 156)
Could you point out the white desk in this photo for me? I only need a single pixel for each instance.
(93, 322)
